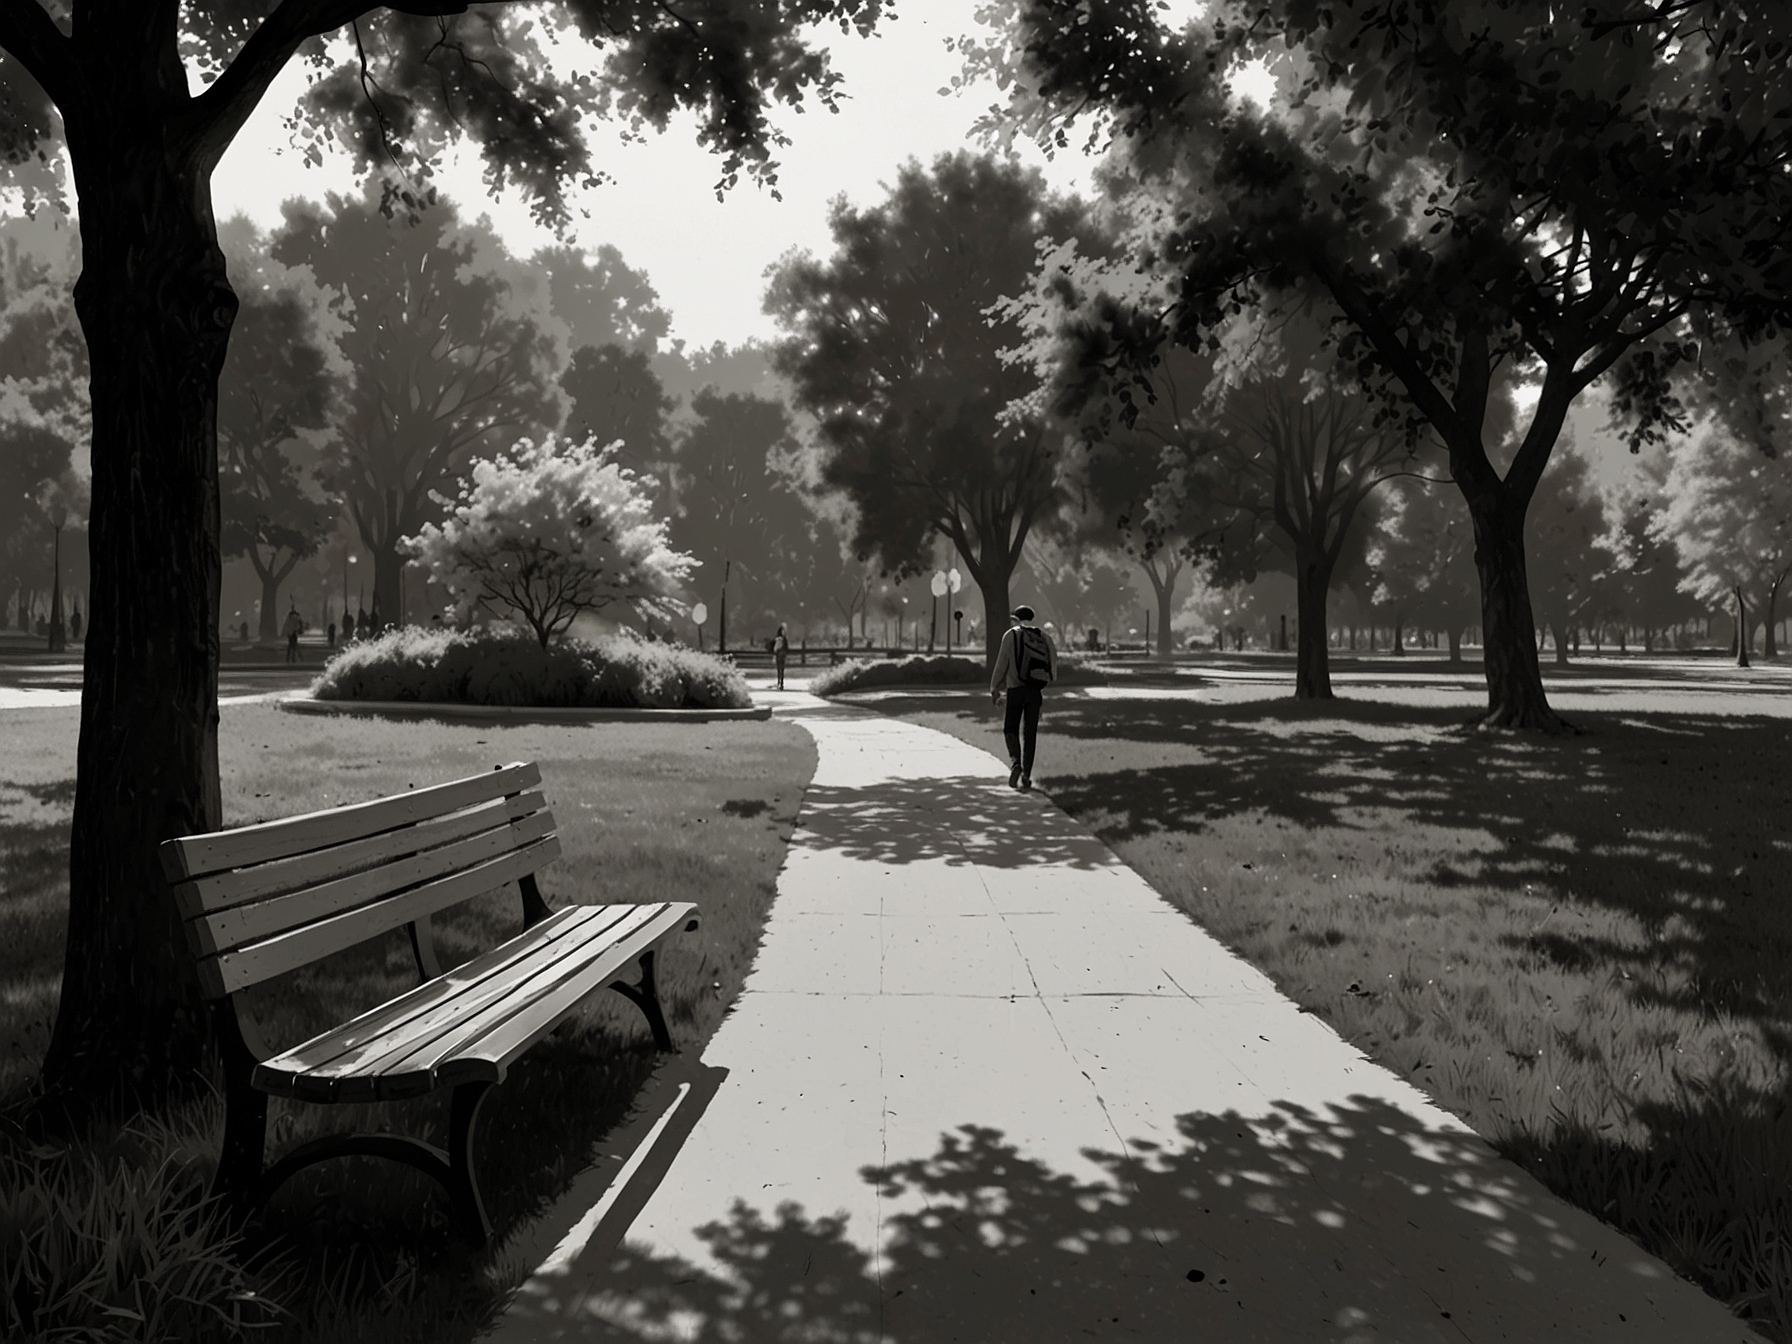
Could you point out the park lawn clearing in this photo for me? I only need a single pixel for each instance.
(1579, 946)
(647, 812)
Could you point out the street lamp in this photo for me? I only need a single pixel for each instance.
(954, 581)
(938, 588)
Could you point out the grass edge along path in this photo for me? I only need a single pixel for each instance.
(1576, 946)
(104, 1241)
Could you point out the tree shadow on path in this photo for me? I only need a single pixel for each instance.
(1353, 1224)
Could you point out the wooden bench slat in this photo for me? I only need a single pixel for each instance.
(234, 886)
(284, 952)
(194, 856)
(539, 998)
(232, 928)
(492, 1054)
(348, 1046)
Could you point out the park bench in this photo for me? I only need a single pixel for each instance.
(260, 901)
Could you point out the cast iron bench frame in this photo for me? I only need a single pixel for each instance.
(260, 901)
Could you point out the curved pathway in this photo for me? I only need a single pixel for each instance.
(985, 1085)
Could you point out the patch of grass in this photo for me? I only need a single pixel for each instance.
(1578, 946)
(357, 1249)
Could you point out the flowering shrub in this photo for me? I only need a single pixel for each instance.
(498, 668)
(547, 531)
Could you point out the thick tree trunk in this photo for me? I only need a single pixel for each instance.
(1561, 641)
(1455, 644)
(157, 309)
(1515, 697)
(1400, 635)
(992, 582)
(1312, 660)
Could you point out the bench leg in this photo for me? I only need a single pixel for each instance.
(245, 1142)
(453, 1169)
(646, 997)
(469, 1208)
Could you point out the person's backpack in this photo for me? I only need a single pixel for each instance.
(1032, 656)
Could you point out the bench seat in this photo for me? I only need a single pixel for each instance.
(468, 1024)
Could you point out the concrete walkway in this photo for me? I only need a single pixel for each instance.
(985, 1085)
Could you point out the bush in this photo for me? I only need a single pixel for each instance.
(863, 674)
(501, 668)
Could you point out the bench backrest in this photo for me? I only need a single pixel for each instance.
(259, 901)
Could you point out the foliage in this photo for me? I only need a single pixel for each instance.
(1478, 192)
(601, 299)
(496, 668)
(547, 531)
(893, 350)
(739, 511)
(275, 393)
(119, 1245)
(613, 394)
(1422, 556)
(1726, 509)
(445, 360)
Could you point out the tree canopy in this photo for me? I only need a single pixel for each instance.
(893, 350)
(1484, 191)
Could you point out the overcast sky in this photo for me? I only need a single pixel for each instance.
(706, 258)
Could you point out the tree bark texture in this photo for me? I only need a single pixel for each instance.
(156, 309)
(1515, 697)
(1312, 662)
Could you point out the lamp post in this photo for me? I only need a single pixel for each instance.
(938, 588)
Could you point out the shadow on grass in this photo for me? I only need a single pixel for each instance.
(1350, 1224)
(1668, 819)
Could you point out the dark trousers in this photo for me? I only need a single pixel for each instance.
(1020, 724)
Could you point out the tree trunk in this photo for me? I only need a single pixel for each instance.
(1455, 644)
(156, 308)
(1769, 648)
(271, 577)
(992, 582)
(1400, 635)
(1312, 660)
(1741, 629)
(1515, 697)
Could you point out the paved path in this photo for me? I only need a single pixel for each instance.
(1091, 1120)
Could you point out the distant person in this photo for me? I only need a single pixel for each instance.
(362, 629)
(74, 624)
(1026, 663)
(330, 633)
(243, 632)
(295, 626)
(780, 654)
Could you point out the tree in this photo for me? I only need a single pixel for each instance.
(613, 393)
(1727, 512)
(1568, 563)
(736, 512)
(602, 300)
(277, 385)
(444, 361)
(110, 81)
(1421, 553)
(893, 353)
(1484, 190)
(547, 531)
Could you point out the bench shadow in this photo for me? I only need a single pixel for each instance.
(1355, 1223)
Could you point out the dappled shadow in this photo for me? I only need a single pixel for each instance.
(957, 819)
(1354, 1223)
(1670, 819)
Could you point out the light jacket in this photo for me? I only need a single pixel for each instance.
(1005, 676)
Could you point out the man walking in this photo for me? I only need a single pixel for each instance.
(780, 654)
(1026, 663)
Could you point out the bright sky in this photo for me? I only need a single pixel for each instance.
(706, 258)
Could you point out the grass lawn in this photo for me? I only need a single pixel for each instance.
(1579, 946)
(357, 1249)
